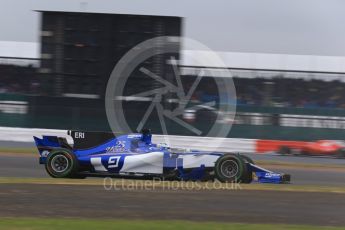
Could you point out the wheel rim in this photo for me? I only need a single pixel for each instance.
(59, 163)
(229, 168)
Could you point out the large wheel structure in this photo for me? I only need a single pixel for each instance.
(229, 168)
(61, 163)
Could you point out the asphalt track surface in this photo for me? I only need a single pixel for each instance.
(248, 206)
(55, 201)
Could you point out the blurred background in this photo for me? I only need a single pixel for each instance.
(54, 67)
(283, 70)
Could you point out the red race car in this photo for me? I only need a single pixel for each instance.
(316, 148)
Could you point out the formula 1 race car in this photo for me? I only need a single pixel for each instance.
(134, 155)
(316, 148)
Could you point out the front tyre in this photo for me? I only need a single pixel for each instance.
(229, 168)
(61, 163)
(341, 153)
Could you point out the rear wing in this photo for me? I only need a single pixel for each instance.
(47, 143)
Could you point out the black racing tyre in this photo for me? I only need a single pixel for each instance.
(284, 150)
(229, 168)
(247, 176)
(61, 163)
(341, 153)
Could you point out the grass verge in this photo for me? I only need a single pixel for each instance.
(62, 223)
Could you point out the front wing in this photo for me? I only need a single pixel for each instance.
(266, 176)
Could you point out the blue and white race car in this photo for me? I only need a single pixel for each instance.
(134, 155)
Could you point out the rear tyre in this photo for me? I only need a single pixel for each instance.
(247, 176)
(284, 150)
(61, 163)
(229, 168)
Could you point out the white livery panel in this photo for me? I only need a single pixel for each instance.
(195, 161)
(144, 163)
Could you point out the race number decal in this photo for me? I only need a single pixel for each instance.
(113, 162)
